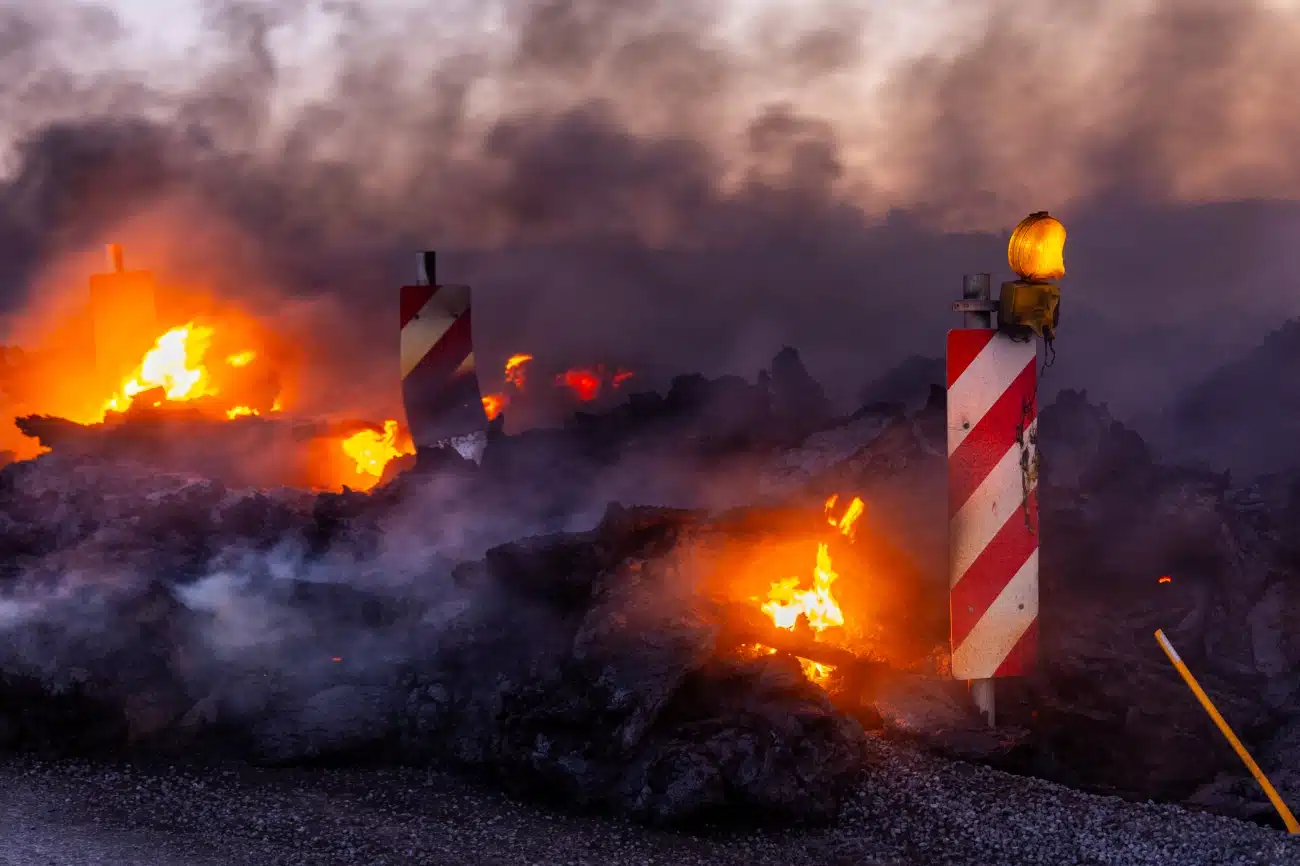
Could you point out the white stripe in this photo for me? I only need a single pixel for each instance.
(999, 496)
(995, 635)
(981, 384)
(421, 334)
(466, 366)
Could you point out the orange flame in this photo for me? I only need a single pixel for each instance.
(242, 359)
(515, 369)
(847, 524)
(240, 411)
(787, 601)
(175, 363)
(1166, 579)
(493, 404)
(373, 451)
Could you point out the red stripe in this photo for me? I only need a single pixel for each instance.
(964, 345)
(439, 364)
(413, 299)
(1023, 657)
(992, 570)
(992, 438)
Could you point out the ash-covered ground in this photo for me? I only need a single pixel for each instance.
(543, 627)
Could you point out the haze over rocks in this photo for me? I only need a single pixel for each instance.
(507, 621)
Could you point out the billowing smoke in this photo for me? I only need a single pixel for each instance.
(681, 185)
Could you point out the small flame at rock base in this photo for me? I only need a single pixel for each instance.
(787, 602)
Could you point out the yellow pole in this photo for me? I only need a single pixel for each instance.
(1287, 818)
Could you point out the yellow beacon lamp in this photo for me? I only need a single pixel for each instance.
(1036, 253)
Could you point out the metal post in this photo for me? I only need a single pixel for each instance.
(977, 287)
(427, 274)
(982, 694)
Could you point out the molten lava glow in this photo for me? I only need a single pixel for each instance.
(493, 404)
(585, 384)
(373, 451)
(515, 366)
(240, 411)
(242, 359)
(175, 364)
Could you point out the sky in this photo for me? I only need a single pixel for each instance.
(674, 185)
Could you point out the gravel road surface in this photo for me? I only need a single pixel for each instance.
(911, 810)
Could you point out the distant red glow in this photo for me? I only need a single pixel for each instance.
(1166, 579)
(585, 384)
(622, 376)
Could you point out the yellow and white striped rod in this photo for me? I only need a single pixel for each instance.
(1287, 818)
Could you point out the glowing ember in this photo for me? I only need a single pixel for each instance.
(240, 411)
(173, 364)
(622, 376)
(815, 671)
(585, 384)
(493, 404)
(373, 451)
(242, 359)
(515, 370)
(1166, 579)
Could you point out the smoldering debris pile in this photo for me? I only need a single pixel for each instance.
(153, 614)
(454, 617)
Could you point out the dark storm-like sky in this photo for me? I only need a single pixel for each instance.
(631, 181)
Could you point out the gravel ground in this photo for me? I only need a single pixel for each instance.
(911, 810)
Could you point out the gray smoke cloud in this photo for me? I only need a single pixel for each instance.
(624, 182)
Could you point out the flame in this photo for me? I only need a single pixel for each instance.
(848, 523)
(175, 363)
(1166, 579)
(242, 359)
(622, 376)
(515, 369)
(240, 411)
(373, 451)
(787, 601)
(493, 404)
(585, 384)
(815, 671)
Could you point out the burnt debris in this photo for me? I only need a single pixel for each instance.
(503, 619)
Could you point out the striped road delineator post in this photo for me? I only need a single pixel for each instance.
(992, 500)
(440, 389)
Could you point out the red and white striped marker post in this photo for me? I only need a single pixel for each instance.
(440, 390)
(992, 501)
